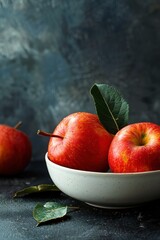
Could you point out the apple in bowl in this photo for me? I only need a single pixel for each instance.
(135, 148)
(80, 142)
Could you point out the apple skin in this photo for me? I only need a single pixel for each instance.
(84, 145)
(135, 148)
(15, 150)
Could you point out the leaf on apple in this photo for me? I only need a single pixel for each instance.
(49, 211)
(111, 107)
(34, 189)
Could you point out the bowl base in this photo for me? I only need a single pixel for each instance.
(112, 207)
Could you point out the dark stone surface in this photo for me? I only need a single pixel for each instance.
(89, 223)
(52, 52)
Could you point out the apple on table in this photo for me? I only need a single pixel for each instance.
(15, 150)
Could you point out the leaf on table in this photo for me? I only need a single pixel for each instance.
(111, 107)
(49, 211)
(34, 189)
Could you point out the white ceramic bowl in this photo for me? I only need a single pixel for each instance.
(107, 190)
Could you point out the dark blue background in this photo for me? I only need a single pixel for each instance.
(53, 51)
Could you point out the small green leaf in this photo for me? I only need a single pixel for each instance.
(34, 189)
(48, 211)
(111, 107)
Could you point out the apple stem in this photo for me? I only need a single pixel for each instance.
(18, 125)
(40, 132)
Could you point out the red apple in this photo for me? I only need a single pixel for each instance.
(15, 150)
(80, 142)
(135, 148)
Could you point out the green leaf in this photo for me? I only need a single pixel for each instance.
(111, 107)
(48, 211)
(34, 189)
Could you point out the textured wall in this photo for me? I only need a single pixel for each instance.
(52, 51)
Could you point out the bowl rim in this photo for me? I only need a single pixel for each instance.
(99, 173)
